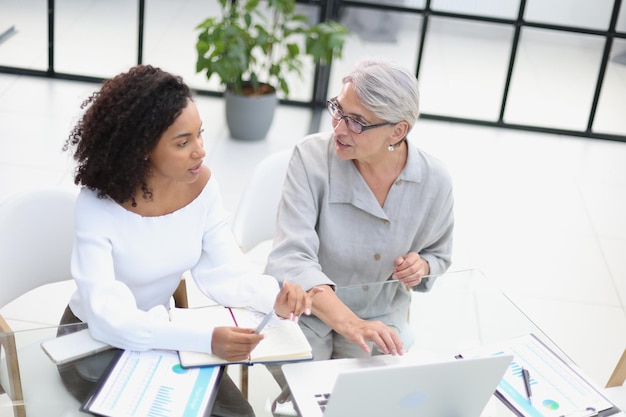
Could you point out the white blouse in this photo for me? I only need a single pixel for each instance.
(127, 266)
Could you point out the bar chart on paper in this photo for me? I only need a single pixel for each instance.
(153, 384)
(162, 404)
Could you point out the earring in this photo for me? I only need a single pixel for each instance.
(390, 148)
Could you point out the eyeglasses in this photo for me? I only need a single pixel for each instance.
(353, 125)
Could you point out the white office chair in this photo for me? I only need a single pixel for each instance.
(35, 249)
(36, 238)
(615, 389)
(255, 218)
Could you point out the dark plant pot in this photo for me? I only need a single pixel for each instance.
(249, 117)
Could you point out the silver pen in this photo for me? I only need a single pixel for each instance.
(526, 378)
(264, 322)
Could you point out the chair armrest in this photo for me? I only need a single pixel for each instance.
(7, 341)
(619, 373)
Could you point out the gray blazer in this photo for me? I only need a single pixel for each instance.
(332, 230)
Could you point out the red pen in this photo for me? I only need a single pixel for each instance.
(233, 316)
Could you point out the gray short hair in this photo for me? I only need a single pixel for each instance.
(386, 89)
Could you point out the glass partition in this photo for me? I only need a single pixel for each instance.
(401, 44)
(506, 9)
(24, 34)
(577, 13)
(621, 20)
(554, 79)
(464, 63)
(170, 38)
(95, 38)
(610, 113)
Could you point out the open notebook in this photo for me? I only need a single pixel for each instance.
(283, 339)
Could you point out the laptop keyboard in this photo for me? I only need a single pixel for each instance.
(322, 400)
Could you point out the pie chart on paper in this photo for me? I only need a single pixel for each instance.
(550, 404)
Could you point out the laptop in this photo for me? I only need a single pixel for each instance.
(395, 386)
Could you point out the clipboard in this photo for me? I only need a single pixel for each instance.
(558, 388)
(152, 383)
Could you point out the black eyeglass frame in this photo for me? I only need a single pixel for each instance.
(333, 107)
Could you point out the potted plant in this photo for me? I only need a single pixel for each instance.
(252, 47)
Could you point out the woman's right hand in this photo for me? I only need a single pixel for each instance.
(234, 343)
(361, 331)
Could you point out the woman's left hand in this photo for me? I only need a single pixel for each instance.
(410, 269)
(292, 301)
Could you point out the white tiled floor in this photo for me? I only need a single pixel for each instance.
(542, 215)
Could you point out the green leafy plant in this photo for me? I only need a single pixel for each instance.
(257, 43)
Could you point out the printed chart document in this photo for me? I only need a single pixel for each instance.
(283, 339)
(557, 388)
(153, 383)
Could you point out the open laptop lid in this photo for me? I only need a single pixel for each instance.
(390, 386)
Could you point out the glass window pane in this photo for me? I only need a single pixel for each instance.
(621, 19)
(170, 38)
(95, 37)
(464, 68)
(554, 79)
(403, 49)
(416, 4)
(594, 14)
(412, 4)
(24, 34)
(612, 105)
(505, 9)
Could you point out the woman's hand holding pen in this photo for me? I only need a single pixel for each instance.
(292, 301)
(410, 269)
(234, 343)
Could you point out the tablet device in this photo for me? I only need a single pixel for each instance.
(73, 346)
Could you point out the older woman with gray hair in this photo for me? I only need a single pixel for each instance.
(366, 215)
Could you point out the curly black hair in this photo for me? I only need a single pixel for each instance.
(122, 124)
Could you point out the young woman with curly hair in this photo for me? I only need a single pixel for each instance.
(148, 211)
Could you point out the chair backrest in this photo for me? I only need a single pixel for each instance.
(255, 217)
(37, 233)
